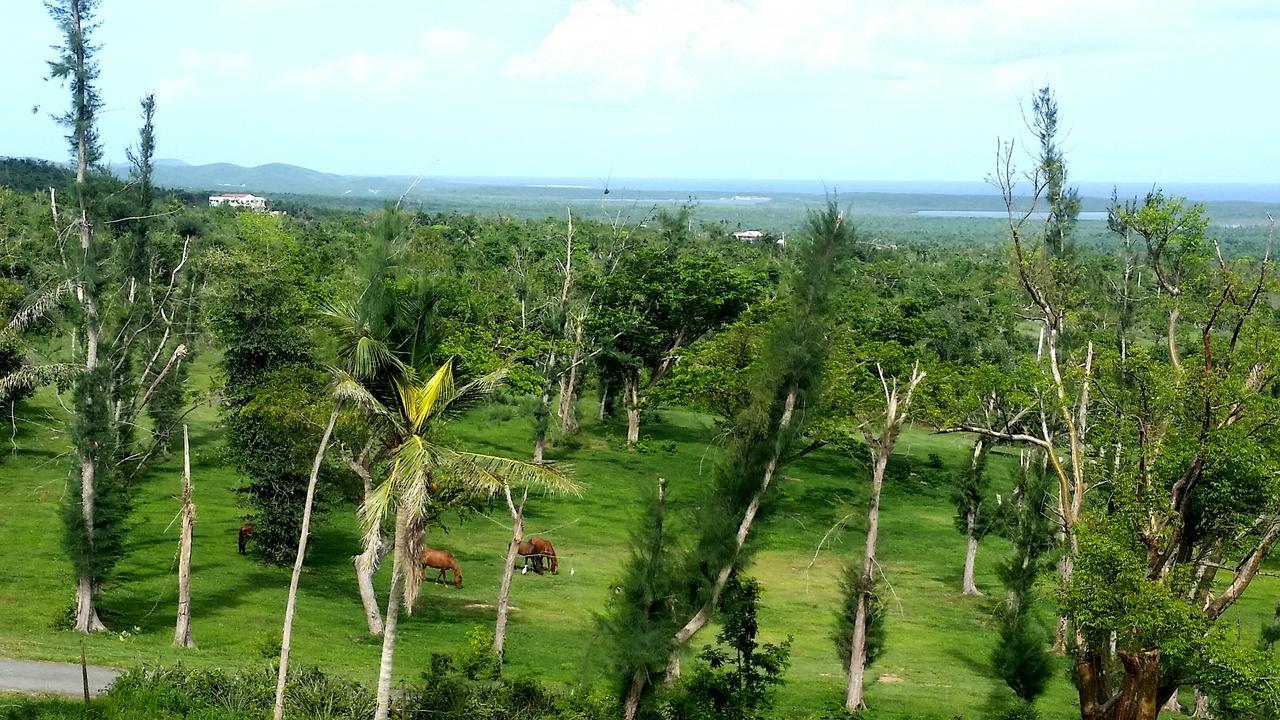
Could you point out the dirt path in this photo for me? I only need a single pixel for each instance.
(58, 678)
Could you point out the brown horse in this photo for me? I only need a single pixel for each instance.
(442, 560)
(538, 549)
(246, 532)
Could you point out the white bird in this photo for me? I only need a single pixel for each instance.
(524, 569)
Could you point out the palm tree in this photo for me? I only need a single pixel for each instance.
(427, 474)
(380, 338)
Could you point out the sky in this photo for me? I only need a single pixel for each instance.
(1150, 90)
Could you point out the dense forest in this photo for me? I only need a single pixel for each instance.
(702, 447)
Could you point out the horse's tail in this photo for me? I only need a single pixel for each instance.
(551, 555)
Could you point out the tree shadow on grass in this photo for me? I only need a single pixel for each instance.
(138, 605)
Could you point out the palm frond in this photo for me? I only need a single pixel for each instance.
(471, 394)
(491, 472)
(420, 401)
(377, 504)
(347, 390)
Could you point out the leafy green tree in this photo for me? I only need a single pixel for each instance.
(737, 676)
(788, 384)
(640, 619)
(655, 302)
(847, 616)
(1063, 201)
(257, 313)
(1160, 466)
(1021, 655)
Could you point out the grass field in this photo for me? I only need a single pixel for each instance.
(935, 663)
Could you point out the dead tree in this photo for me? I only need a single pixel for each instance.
(182, 632)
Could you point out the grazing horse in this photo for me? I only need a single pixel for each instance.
(246, 532)
(442, 560)
(538, 549)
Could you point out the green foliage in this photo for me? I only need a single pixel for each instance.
(842, 633)
(1270, 632)
(477, 661)
(640, 617)
(449, 693)
(1021, 656)
(272, 438)
(793, 361)
(273, 396)
(736, 678)
(94, 550)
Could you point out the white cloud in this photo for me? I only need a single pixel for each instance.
(199, 70)
(680, 46)
(382, 72)
(447, 39)
(369, 71)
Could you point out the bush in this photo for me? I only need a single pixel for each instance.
(181, 693)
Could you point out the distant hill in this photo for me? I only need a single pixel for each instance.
(31, 175)
(270, 178)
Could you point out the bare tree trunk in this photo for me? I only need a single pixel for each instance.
(971, 554)
(182, 632)
(368, 561)
(569, 387)
(1172, 705)
(1065, 572)
(703, 615)
(286, 635)
(508, 571)
(1202, 706)
(631, 705)
(1174, 358)
(539, 447)
(631, 398)
(604, 399)
(366, 564)
(393, 613)
(853, 699)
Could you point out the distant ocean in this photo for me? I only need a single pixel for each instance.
(1245, 192)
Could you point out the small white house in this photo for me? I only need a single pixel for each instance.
(239, 200)
(759, 236)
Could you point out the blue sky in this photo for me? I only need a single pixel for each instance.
(1162, 90)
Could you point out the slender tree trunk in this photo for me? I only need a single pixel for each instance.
(1174, 358)
(970, 588)
(1202, 705)
(370, 559)
(508, 571)
(87, 620)
(182, 632)
(540, 447)
(569, 389)
(703, 615)
(366, 564)
(1066, 570)
(853, 699)
(631, 705)
(393, 613)
(604, 399)
(631, 398)
(286, 635)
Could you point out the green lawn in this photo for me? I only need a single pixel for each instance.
(935, 664)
